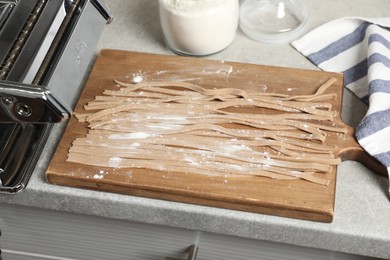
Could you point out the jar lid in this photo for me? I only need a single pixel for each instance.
(272, 21)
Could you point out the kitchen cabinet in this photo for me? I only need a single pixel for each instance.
(71, 236)
(32, 233)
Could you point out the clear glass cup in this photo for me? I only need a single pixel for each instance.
(272, 21)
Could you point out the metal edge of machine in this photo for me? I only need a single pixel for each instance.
(70, 66)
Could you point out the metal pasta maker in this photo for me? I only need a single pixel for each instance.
(46, 50)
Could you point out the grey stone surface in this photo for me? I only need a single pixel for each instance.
(362, 212)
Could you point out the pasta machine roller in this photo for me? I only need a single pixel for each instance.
(46, 51)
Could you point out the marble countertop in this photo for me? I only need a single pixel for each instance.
(361, 222)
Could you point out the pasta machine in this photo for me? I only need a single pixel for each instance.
(46, 50)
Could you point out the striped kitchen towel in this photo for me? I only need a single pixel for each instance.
(359, 48)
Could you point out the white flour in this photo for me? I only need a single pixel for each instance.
(199, 27)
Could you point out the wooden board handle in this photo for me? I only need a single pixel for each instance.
(351, 150)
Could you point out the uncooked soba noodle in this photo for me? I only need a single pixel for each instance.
(183, 127)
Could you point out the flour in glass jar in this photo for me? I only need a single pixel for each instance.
(199, 27)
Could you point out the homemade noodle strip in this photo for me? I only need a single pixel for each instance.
(174, 166)
(173, 129)
(119, 139)
(186, 85)
(233, 151)
(199, 158)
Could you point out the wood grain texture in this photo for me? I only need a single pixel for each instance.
(289, 198)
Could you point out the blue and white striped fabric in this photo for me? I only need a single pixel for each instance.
(359, 48)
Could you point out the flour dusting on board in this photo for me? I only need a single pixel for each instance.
(99, 175)
(138, 77)
(194, 73)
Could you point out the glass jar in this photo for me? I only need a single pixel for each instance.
(272, 21)
(198, 27)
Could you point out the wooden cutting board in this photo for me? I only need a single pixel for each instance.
(290, 198)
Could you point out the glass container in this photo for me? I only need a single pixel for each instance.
(272, 21)
(200, 27)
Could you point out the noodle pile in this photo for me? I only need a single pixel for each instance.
(182, 127)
